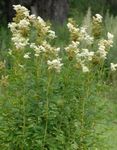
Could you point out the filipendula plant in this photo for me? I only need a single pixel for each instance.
(50, 97)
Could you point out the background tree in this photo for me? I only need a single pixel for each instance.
(55, 10)
(9, 6)
(113, 6)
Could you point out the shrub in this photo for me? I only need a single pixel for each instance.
(50, 97)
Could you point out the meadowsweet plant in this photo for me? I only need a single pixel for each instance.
(50, 96)
(84, 48)
(97, 25)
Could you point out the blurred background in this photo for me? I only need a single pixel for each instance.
(57, 10)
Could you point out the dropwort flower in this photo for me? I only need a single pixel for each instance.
(26, 56)
(21, 10)
(55, 64)
(113, 67)
(98, 18)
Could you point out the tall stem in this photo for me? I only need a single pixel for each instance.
(86, 85)
(47, 104)
(24, 123)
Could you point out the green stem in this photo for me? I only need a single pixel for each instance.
(86, 85)
(47, 105)
(24, 123)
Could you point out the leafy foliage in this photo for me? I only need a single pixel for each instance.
(43, 109)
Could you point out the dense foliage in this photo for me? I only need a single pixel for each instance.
(53, 97)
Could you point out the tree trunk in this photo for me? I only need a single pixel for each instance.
(55, 10)
(10, 3)
(112, 2)
(113, 6)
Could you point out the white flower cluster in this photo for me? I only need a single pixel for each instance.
(21, 10)
(104, 45)
(85, 54)
(81, 45)
(46, 48)
(85, 36)
(19, 41)
(110, 39)
(72, 28)
(50, 50)
(73, 47)
(98, 18)
(79, 33)
(84, 68)
(79, 37)
(51, 34)
(83, 58)
(55, 64)
(37, 48)
(113, 67)
(19, 29)
(23, 25)
(26, 56)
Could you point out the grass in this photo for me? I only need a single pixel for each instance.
(112, 99)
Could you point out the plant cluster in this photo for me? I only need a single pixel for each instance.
(50, 96)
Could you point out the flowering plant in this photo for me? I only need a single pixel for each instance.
(50, 96)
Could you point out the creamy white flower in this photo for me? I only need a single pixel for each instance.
(85, 68)
(83, 30)
(110, 43)
(51, 34)
(57, 49)
(24, 23)
(70, 26)
(85, 54)
(37, 48)
(73, 47)
(32, 45)
(75, 43)
(12, 27)
(101, 48)
(83, 35)
(41, 21)
(102, 52)
(47, 46)
(49, 49)
(40, 49)
(19, 41)
(110, 36)
(113, 67)
(21, 9)
(26, 56)
(55, 64)
(98, 17)
(110, 39)
(89, 40)
(32, 17)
